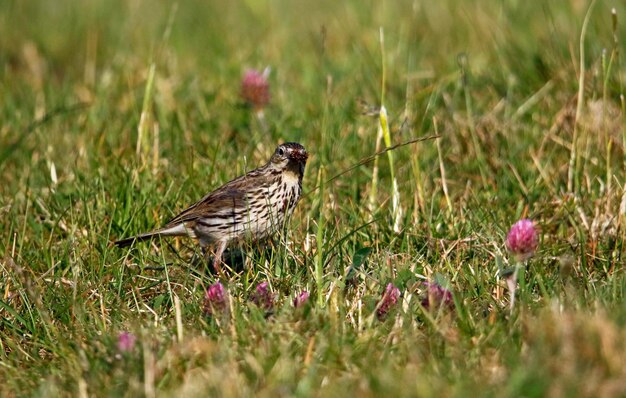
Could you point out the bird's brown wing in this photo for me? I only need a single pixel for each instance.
(229, 197)
(216, 202)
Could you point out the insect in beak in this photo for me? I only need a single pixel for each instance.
(300, 155)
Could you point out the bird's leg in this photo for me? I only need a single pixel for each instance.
(217, 257)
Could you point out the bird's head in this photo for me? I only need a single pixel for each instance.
(290, 156)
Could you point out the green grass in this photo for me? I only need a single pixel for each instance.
(500, 78)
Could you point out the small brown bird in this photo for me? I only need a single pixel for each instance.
(248, 208)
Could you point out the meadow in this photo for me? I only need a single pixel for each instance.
(116, 115)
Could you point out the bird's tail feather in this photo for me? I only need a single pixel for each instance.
(132, 239)
(178, 230)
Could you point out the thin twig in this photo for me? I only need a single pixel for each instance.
(371, 158)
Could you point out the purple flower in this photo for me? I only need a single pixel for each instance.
(522, 240)
(437, 296)
(126, 341)
(388, 301)
(263, 297)
(216, 299)
(255, 88)
(301, 299)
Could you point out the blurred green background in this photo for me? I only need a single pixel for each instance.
(500, 77)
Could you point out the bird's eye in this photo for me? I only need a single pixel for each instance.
(281, 151)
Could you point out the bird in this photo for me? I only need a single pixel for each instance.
(249, 208)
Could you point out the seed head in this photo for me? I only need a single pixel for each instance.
(301, 299)
(215, 300)
(255, 88)
(437, 296)
(388, 301)
(522, 240)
